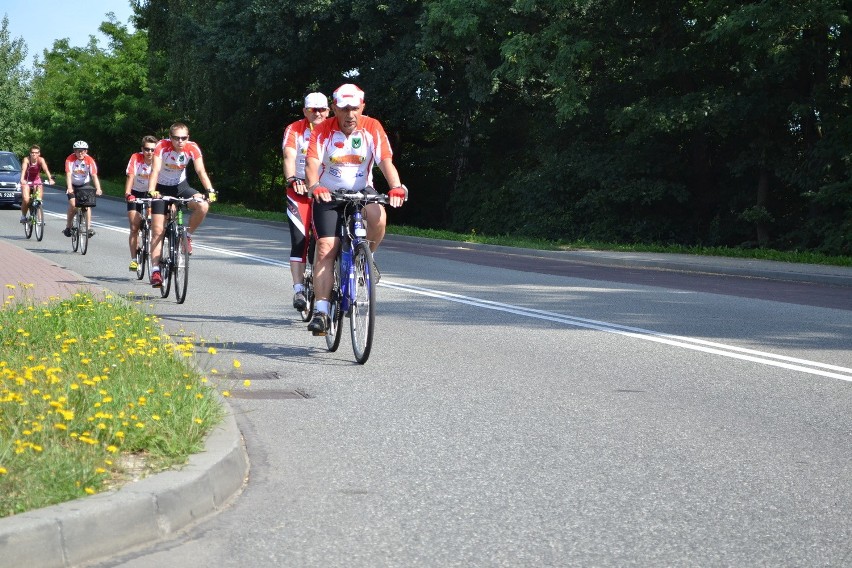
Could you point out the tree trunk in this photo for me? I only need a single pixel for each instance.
(761, 224)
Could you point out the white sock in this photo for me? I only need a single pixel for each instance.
(299, 288)
(322, 306)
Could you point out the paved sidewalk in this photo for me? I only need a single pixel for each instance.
(34, 277)
(140, 513)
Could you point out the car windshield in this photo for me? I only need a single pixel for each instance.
(9, 163)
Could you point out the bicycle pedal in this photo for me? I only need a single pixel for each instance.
(319, 333)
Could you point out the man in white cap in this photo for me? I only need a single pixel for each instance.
(341, 155)
(295, 147)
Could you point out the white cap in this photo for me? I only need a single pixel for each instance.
(316, 100)
(348, 95)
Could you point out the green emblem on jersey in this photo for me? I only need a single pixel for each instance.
(356, 143)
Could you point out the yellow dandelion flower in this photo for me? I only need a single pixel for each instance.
(3, 470)
(89, 490)
(155, 417)
(247, 383)
(237, 364)
(60, 426)
(112, 449)
(100, 470)
(226, 393)
(197, 421)
(211, 350)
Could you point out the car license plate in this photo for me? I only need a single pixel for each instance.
(7, 194)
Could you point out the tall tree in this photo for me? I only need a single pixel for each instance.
(14, 91)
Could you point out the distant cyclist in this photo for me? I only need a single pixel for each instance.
(136, 186)
(341, 155)
(31, 168)
(81, 172)
(168, 178)
(295, 147)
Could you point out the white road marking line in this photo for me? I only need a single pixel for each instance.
(790, 363)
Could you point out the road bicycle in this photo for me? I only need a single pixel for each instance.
(84, 198)
(35, 216)
(143, 239)
(308, 312)
(174, 257)
(353, 293)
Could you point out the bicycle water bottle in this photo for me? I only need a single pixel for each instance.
(180, 216)
(360, 230)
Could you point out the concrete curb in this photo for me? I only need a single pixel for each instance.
(140, 513)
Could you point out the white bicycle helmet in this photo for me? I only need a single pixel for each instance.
(80, 144)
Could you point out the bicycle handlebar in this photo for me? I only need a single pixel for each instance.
(350, 195)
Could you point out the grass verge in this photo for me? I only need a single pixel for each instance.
(91, 391)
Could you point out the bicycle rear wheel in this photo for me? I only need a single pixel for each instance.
(309, 294)
(141, 254)
(181, 267)
(28, 226)
(75, 233)
(362, 320)
(166, 267)
(39, 222)
(84, 231)
(335, 314)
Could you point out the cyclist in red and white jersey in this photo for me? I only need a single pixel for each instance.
(81, 172)
(341, 154)
(31, 168)
(138, 173)
(168, 178)
(295, 147)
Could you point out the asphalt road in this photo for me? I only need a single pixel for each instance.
(510, 416)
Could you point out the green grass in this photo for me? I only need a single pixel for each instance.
(92, 393)
(541, 244)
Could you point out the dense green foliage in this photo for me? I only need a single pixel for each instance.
(693, 122)
(14, 96)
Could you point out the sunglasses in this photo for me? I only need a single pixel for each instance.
(147, 149)
(180, 138)
(314, 109)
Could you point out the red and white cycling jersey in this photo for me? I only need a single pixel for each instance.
(296, 136)
(346, 162)
(173, 170)
(141, 170)
(80, 170)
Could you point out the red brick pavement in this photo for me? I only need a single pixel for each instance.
(35, 278)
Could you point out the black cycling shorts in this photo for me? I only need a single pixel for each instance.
(328, 217)
(158, 206)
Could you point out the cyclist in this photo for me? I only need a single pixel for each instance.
(295, 146)
(136, 186)
(31, 168)
(81, 172)
(168, 178)
(341, 154)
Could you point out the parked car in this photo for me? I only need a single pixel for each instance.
(10, 179)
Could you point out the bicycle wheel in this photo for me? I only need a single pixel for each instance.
(181, 267)
(75, 232)
(141, 254)
(28, 226)
(39, 222)
(84, 230)
(308, 312)
(362, 320)
(165, 267)
(335, 314)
